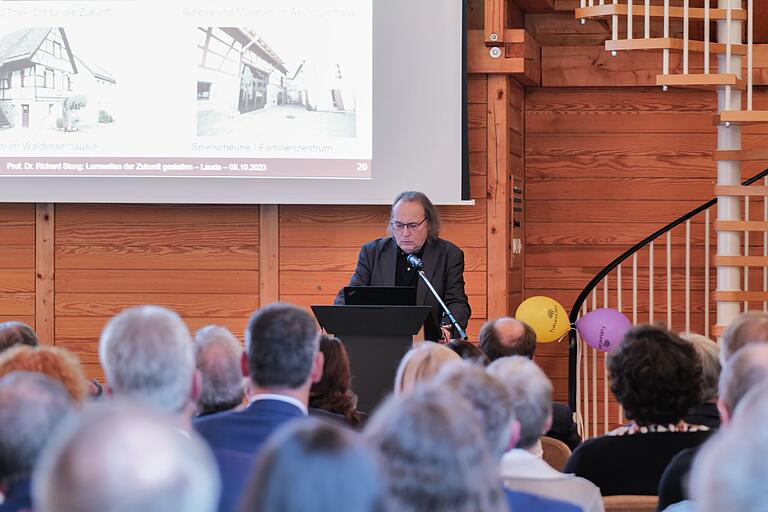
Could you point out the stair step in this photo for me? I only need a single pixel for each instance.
(738, 296)
(708, 80)
(741, 261)
(741, 190)
(657, 11)
(743, 117)
(670, 43)
(741, 225)
(742, 155)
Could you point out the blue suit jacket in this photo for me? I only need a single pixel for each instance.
(246, 430)
(524, 502)
(18, 496)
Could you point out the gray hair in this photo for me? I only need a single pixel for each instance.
(434, 224)
(709, 355)
(31, 408)
(120, 458)
(747, 328)
(15, 333)
(147, 355)
(434, 454)
(731, 469)
(487, 395)
(282, 341)
(531, 392)
(747, 369)
(218, 354)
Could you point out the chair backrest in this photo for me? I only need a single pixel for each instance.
(556, 452)
(630, 503)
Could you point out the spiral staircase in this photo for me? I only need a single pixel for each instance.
(714, 62)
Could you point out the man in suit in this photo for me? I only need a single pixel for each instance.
(283, 361)
(508, 336)
(414, 228)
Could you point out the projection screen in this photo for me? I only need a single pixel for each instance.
(264, 102)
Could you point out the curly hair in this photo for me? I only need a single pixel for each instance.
(56, 363)
(655, 375)
(333, 392)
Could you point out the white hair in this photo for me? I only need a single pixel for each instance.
(531, 392)
(218, 356)
(147, 355)
(122, 458)
(731, 469)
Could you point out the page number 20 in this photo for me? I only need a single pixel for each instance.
(362, 166)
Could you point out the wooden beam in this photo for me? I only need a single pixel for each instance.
(495, 17)
(742, 117)
(269, 254)
(498, 195)
(520, 56)
(44, 273)
(697, 80)
(740, 225)
(760, 26)
(741, 191)
(671, 43)
(742, 155)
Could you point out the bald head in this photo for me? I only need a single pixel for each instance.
(748, 328)
(507, 336)
(747, 369)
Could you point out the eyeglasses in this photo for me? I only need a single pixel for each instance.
(400, 226)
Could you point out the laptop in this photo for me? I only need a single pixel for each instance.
(380, 295)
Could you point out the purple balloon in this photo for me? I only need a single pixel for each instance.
(603, 329)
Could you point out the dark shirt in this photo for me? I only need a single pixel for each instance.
(704, 414)
(673, 487)
(18, 496)
(630, 464)
(405, 275)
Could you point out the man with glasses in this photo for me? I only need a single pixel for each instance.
(414, 228)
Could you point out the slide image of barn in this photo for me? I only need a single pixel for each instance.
(47, 87)
(245, 86)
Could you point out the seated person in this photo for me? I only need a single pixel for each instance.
(469, 351)
(16, 333)
(333, 392)
(655, 376)
(508, 336)
(218, 357)
(420, 364)
(329, 469)
(705, 412)
(53, 362)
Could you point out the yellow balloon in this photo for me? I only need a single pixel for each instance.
(546, 317)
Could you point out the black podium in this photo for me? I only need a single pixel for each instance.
(376, 338)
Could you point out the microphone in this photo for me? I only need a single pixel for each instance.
(415, 262)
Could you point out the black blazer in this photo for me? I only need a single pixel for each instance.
(443, 266)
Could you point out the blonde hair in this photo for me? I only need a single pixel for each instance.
(421, 363)
(56, 363)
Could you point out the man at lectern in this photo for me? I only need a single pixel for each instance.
(414, 228)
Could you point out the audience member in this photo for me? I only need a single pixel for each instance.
(705, 412)
(31, 408)
(53, 362)
(147, 356)
(469, 351)
(522, 469)
(218, 357)
(494, 407)
(333, 392)
(748, 328)
(119, 458)
(434, 454)
(329, 469)
(731, 470)
(422, 363)
(747, 369)
(16, 333)
(282, 347)
(506, 337)
(655, 376)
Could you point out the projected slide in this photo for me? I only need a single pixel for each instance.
(121, 88)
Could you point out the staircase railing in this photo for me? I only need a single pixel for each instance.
(585, 389)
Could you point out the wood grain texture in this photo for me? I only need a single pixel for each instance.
(269, 255)
(45, 273)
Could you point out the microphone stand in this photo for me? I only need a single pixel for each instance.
(445, 308)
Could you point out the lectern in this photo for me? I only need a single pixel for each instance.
(376, 338)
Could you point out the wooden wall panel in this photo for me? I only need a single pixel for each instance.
(202, 261)
(17, 263)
